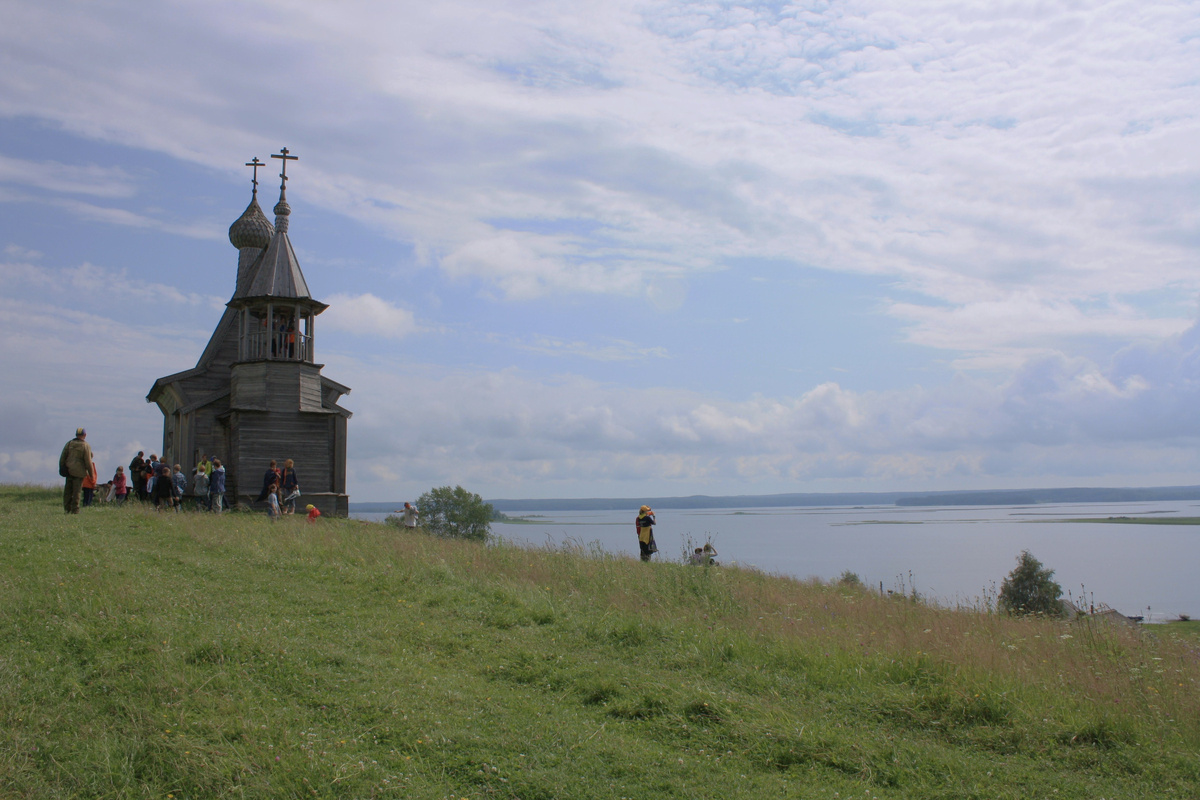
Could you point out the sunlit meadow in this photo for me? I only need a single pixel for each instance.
(197, 656)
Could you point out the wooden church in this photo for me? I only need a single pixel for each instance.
(257, 393)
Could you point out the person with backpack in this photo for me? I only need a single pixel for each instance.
(75, 464)
(645, 531)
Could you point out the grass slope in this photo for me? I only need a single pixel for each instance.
(195, 656)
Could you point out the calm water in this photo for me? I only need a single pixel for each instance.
(954, 554)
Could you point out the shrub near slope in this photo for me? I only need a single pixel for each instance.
(151, 654)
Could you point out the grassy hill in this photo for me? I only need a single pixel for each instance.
(149, 655)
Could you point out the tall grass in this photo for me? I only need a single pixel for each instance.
(190, 655)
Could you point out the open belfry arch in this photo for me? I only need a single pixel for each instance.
(257, 393)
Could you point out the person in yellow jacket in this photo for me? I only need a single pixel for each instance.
(75, 464)
(645, 532)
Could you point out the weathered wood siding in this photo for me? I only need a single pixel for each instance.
(310, 388)
(248, 390)
(304, 438)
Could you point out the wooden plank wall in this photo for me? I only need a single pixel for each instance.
(304, 438)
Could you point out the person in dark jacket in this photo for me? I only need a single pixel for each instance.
(137, 474)
(272, 476)
(164, 488)
(290, 488)
(216, 486)
(645, 531)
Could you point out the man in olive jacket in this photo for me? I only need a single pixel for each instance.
(74, 464)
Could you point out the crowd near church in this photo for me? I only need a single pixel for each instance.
(152, 480)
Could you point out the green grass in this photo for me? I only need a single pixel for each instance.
(1190, 627)
(195, 656)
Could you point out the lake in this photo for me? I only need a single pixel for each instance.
(951, 554)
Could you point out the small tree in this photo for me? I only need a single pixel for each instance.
(849, 578)
(455, 513)
(1030, 589)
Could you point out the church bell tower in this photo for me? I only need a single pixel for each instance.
(257, 393)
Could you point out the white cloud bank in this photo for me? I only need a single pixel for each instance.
(971, 151)
(1057, 418)
(367, 315)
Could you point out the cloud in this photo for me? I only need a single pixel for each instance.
(119, 216)
(111, 182)
(607, 350)
(22, 253)
(684, 135)
(368, 315)
(77, 368)
(92, 283)
(1023, 322)
(572, 436)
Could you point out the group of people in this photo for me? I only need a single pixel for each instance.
(281, 490)
(644, 524)
(157, 481)
(148, 478)
(208, 483)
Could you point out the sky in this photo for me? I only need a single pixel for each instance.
(626, 248)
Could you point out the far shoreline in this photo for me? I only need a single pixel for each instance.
(985, 497)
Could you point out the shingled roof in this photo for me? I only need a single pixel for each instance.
(276, 273)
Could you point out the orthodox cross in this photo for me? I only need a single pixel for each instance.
(283, 154)
(256, 164)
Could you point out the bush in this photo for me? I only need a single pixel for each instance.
(1030, 589)
(455, 513)
(849, 578)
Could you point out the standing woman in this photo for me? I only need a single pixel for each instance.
(291, 486)
(645, 532)
(200, 488)
(137, 468)
(273, 475)
(216, 487)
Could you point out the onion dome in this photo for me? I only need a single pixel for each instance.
(252, 228)
(282, 212)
